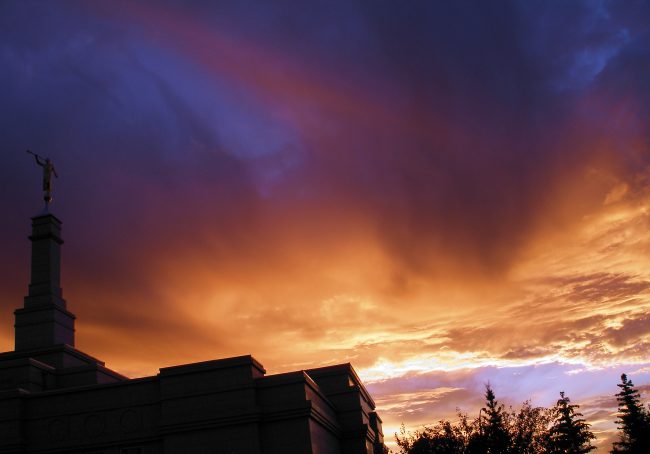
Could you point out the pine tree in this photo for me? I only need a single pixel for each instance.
(569, 433)
(633, 421)
(494, 429)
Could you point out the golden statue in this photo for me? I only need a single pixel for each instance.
(48, 170)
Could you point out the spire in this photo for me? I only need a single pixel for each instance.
(44, 320)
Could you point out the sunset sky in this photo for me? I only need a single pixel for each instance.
(444, 194)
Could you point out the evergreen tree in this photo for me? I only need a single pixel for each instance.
(633, 421)
(495, 435)
(569, 433)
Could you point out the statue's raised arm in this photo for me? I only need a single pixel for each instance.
(39, 159)
(48, 170)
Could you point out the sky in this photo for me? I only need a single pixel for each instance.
(444, 194)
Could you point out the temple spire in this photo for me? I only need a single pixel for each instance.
(44, 320)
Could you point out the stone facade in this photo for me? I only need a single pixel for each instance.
(57, 399)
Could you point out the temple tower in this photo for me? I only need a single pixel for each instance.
(43, 321)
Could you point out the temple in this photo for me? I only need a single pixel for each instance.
(57, 399)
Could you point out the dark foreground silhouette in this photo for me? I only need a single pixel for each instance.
(531, 430)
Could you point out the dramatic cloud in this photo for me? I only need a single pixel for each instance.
(442, 194)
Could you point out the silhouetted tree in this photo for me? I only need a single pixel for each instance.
(529, 430)
(569, 433)
(443, 438)
(633, 421)
(494, 433)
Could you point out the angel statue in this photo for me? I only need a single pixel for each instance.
(48, 170)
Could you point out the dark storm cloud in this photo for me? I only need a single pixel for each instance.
(492, 127)
(480, 98)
